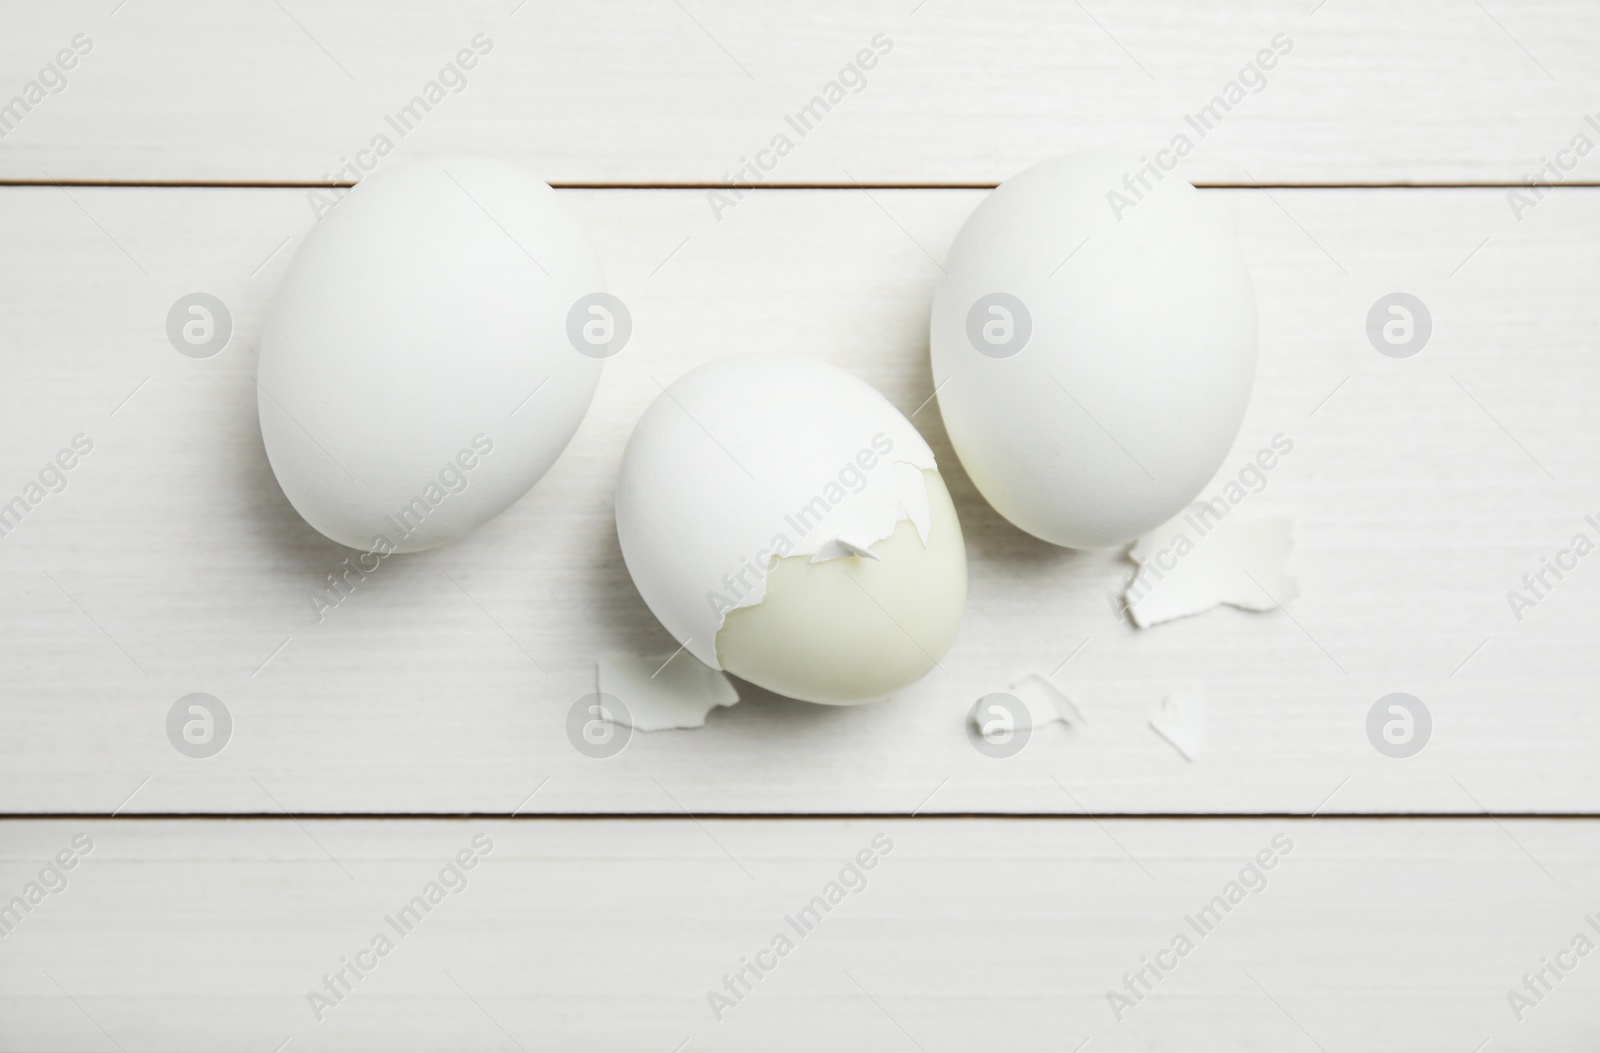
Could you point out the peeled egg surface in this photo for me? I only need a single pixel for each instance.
(1094, 343)
(788, 525)
(418, 373)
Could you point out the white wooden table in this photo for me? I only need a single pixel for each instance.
(1384, 153)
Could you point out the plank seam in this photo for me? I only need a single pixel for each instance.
(232, 185)
(792, 816)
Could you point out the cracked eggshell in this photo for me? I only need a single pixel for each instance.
(1094, 343)
(413, 321)
(757, 458)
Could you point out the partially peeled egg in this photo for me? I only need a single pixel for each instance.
(789, 526)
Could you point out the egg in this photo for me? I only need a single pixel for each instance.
(789, 526)
(1094, 344)
(432, 349)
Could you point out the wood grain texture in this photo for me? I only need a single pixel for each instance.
(1395, 936)
(1424, 489)
(652, 91)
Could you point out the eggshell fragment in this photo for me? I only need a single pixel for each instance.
(1181, 720)
(665, 692)
(1201, 559)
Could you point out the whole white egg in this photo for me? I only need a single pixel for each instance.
(1094, 345)
(788, 525)
(426, 359)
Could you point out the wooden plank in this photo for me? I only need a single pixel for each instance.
(1383, 936)
(650, 92)
(172, 563)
